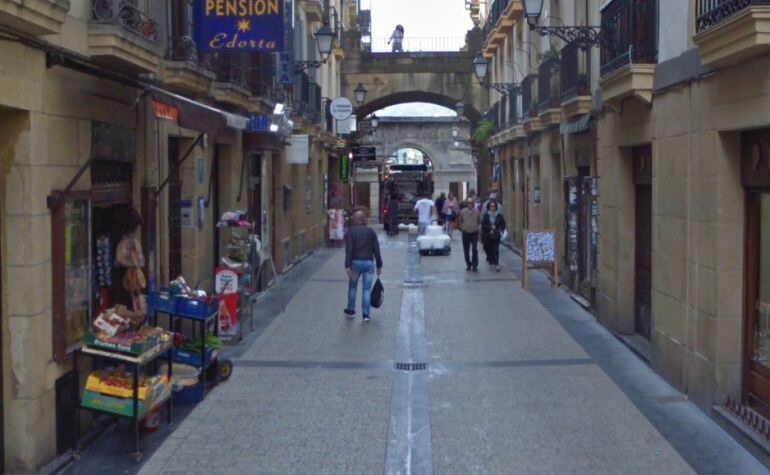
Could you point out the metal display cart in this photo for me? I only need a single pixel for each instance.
(136, 363)
(248, 275)
(202, 313)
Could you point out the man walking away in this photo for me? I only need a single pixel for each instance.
(362, 250)
(393, 214)
(470, 220)
(425, 209)
(440, 208)
(450, 211)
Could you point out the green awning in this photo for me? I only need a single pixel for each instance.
(576, 126)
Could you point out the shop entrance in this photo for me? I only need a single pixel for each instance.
(642, 157)
(756, 180)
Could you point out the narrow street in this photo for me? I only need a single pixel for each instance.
(516, 382)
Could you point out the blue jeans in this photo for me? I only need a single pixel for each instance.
(365, 269)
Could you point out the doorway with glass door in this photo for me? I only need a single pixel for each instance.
(756, 181)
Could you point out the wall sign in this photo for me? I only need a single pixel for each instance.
(187, 214)
(341, 108)
(239, 25)
(165, 111)
(344, 168)
(298, 149)
(364, 154)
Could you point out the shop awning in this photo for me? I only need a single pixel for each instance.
(577, 125)
(195, 115)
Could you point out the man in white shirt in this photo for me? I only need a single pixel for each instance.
(425, 209)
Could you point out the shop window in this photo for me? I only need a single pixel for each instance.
(71, 251)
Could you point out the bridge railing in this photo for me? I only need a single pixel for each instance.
(417, 44)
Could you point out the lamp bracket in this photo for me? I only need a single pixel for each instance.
(505, 88)
(582, 36)
(300, 66)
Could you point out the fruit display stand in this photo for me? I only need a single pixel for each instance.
(130, 402)
(201, 312)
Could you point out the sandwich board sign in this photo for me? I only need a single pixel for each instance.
(539, 251)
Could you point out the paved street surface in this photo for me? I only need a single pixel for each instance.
(515, 382)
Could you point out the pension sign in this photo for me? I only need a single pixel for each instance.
(232, 26)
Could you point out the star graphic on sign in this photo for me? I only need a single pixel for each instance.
(244, 25)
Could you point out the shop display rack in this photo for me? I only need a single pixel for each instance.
(199, 311)
(117, 406)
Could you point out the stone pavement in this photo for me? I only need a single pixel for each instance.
(514, 382)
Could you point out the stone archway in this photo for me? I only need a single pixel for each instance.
(373, 105)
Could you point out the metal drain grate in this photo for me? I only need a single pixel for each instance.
(411, 366)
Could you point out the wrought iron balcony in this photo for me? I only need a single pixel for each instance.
(230, 68)
(710, 13)
(139, 17)
(573, 73)
(513, 108)
(548, 84)
(529, 96)
(503, 113)
(630, 28)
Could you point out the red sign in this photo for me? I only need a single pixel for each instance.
(226, 284)
(165, 111)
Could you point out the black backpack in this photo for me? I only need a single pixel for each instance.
(378, 294)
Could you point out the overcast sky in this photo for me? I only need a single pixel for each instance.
(440, 22)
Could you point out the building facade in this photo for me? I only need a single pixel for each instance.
(651, 165)
(106, 106)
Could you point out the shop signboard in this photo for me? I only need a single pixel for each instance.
(341, 108)
(226, 285)
(232, 26)
(364, 154)
(344, 168)
(297, 149)
(259, 123)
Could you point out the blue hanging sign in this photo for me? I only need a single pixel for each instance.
(232, 26)
(259, 123)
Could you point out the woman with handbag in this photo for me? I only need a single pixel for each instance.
(492, 228)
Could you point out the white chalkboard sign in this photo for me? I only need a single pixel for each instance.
(539, 250)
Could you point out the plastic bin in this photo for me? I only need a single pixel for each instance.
(186, 395)
(195, 308)
(162, 301)
(192, 358)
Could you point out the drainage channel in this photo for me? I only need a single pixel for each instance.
(409, 449)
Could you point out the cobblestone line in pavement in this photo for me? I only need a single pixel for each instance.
(409, 449)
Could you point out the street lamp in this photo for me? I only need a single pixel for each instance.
(360, 93)
(375, 122)
(582, 36)
(481, 68)
(324, 40)
(460, 109)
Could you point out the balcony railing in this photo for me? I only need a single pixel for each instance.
(139, 17)
(495, 10)
(513, 109)
(548, 84)
(181, 45)
(529, 96)
(307, 98)
(502, 113)
(710, 13)
(573, 73)
(631, 31)
(232, 68)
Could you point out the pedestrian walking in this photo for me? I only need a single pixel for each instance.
(470, 220)
(440, 208)
(362, 253)
(397, 38)
(425, 209)
(451, 211)
(393, 214)
(493, 197)
(492, 227)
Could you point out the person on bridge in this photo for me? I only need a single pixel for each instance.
(397, 38)
(362, 251)
(492, 227)
(451, 210)
(425, 209)
(470, 219)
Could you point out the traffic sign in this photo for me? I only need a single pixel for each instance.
(341, 108)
